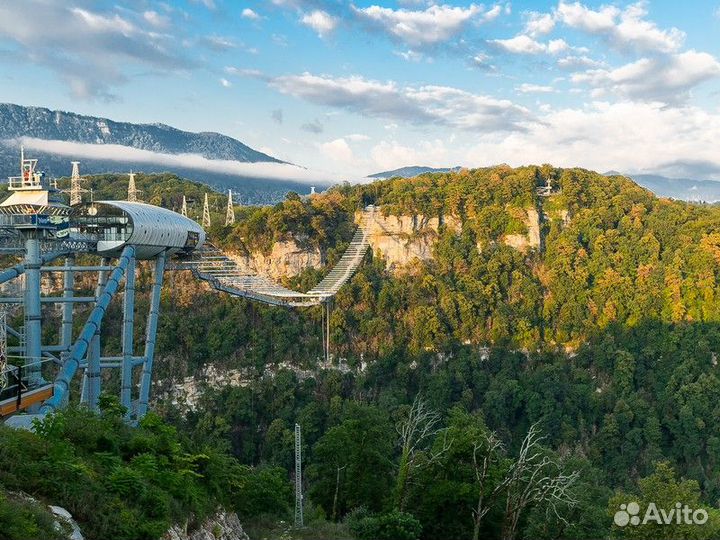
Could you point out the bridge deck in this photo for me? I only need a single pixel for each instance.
(211, 264)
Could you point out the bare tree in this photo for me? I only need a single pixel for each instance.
(491, 448)
(415, 432)
(535, 478)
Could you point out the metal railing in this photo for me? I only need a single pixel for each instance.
(211, 264)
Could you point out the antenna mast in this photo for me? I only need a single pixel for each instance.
(206, 213)
(230, 212)
(298, 477)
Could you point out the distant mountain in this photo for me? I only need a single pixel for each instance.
(41, 123)
(684, 189)
(409, 172)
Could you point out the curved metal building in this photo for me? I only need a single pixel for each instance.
(151, 230)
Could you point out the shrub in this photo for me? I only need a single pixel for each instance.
(393, 526)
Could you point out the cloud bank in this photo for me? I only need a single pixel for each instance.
(119, 153)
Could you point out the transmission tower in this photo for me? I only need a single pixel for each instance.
(298, 477)
(230, 212)
(3, 348)
(76, 189)
(132, 190)
(183, 210)
(206, 213)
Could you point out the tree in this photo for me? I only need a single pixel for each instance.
(414, 432)
(535, 478)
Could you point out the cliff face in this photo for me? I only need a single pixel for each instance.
(287, 259)
(222, 526)
(402, 239)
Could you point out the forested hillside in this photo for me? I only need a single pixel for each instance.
(605, 339)
(597, 350)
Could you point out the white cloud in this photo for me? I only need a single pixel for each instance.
(626, 29)
(626, 136)
(393, 154)
(219, 43)
(321, 21)
(573, 62)
(248, 13)
(527, 88)
(666, 79)
(539, 24)
(225, 83)
(437, 105)
(91, 51)
(409, 55)
(338, 151)
(523, 44)
(155, 19)
(116, 152)
(436, 24)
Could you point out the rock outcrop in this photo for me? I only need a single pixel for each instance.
(287, 259)
(222, 526)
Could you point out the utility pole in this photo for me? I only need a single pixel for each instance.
(230, 212)
(298, 477)
(206, 214)
(183, 210)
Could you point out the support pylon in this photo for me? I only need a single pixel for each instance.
(230, 212)
(132, 190)
(183, 210)
(206, 213)
(298, 477)
(76, 189)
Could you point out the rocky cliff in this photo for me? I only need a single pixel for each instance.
(287, 259)
(222, 526)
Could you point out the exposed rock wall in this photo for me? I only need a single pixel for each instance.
(287, 259)
(531, 240)
(222, 526)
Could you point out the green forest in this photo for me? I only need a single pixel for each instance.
(486, 393)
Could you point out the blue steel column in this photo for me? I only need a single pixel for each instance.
(62, 381)
(67, 307)
(150, 335)
(93, 356)
(33, 329)
(128, 336)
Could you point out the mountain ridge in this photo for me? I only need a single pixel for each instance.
(18, 121)
(687, 189)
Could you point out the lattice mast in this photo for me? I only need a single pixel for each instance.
(132, 189)
(230, 212)
(3, 347)
(183, 209)
(76, 189)
(206, 213)
(298, 477)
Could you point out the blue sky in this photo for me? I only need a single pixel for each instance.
(351, 88)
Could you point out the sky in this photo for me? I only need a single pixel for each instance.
(353, 88)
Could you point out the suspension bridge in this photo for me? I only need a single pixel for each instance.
(35, 224)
